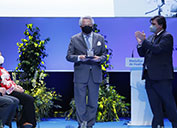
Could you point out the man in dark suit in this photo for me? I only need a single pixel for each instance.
(158, 71)
(87, 51)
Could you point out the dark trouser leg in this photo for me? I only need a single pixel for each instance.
(5, 107)
(86, 112)
(93, 89)
(164, 89)
(13, 109)
(28, 110)
(155, 104)
(80, 90)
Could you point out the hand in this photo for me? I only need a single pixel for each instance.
(18, 88)
(81, 57)
(3, 90)
(21, 89)
(97, 58)
(140, 36)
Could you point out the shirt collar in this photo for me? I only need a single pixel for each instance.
(159, 32)
(90, 35)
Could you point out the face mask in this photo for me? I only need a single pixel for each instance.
(1, 59)
(153, 28)
(87, 29)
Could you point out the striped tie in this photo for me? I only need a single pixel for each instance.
(88, 42)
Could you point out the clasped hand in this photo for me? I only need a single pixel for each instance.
(140, 36)
(18, 88)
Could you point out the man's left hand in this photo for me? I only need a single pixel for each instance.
(20, 88)
(97, 58)
(140, 36)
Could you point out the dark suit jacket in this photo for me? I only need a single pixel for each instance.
(82, 69)
(158, 56)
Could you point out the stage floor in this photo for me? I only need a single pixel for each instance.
(62, 123)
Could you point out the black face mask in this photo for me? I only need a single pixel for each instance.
(87, 29)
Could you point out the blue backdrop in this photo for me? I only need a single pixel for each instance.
(119, 33)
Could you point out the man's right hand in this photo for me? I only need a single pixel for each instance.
(82, 57)
(3, 90)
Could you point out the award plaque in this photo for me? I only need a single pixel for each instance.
(90, 53)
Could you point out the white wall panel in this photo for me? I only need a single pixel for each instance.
(56, 8)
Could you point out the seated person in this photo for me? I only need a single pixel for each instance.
(8, 106)
(28, 111)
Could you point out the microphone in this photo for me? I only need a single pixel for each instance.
(132, 53)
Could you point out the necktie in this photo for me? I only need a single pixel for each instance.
(153, 38)
(88, 42)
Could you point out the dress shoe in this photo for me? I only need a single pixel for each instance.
(83, 124)
(69, 126)
(158, 126)
(27, 126)
(1, 126)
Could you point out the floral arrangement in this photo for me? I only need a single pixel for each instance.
(30, 74)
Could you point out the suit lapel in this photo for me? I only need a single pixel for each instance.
(158, 38)
(83, 41)
(94, 40)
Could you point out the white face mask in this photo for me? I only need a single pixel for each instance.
(1, 59)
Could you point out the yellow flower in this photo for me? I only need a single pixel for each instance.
(38, 91)
(29, 26)
(103, 68)
(27, 33)
(42, 42)
(107, 57)
(35, 45)
(99, 115)
(30, 37)
(101, 106)
(24, 40)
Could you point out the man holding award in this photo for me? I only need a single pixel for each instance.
(87, 51)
